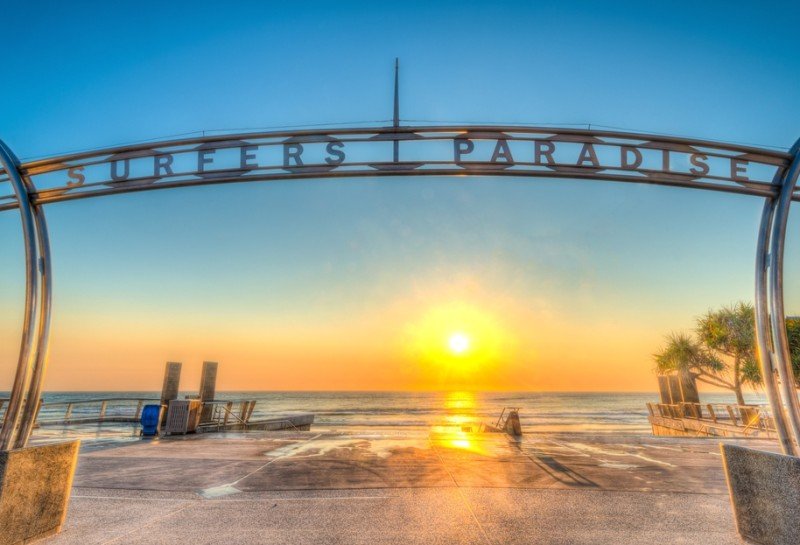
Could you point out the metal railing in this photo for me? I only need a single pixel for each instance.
(116, 409)
(222, 412)
(746, 417)
(125, 409)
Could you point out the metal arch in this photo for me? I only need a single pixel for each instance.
(8, 434)
(777, 239)
(29, 198)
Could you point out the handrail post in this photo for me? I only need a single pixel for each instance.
(711, 412)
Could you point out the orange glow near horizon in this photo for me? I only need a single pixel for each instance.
(450, 336)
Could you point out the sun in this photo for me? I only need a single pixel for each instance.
(458, 343)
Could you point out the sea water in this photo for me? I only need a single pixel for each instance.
(398, 412)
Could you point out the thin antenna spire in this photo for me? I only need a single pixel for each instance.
(396, 117)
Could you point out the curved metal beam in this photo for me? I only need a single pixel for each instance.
(31, 409)
(763, 334)
(782, 356)
(53, 196)
(12, 417)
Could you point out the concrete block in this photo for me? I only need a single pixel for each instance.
(35, 484)
(765, 493)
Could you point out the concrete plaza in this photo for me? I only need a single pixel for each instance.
(390, 487)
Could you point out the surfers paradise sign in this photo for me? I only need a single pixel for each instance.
(470, 150)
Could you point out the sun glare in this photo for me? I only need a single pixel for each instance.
(459, 343)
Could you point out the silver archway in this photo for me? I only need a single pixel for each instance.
(427, 151)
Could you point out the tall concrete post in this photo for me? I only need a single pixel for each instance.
(208, 388)
(663, 389)
(172, 380)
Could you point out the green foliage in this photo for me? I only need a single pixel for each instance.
(730, 331)
(793, 334)
(751, 372)
(683, 354)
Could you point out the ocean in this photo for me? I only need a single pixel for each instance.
(402, 412)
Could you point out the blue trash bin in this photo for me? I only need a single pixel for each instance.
(151, 420)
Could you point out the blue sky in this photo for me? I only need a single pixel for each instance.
(210, 269)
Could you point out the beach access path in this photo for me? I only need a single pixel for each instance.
(376, 487)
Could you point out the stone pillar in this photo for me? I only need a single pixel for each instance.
(35, 485)
(208, 388)
(172, 380)
(765, 493)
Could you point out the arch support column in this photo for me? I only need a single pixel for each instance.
(763, 332)
(26, 387)
(773, 345)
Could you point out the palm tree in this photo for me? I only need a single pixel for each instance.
(729, 332)
(685, 355)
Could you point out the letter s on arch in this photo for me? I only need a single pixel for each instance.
(76, 176)
(335, 152)
(699, 161)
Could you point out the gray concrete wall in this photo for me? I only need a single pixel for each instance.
(765, 493)
(35, 484)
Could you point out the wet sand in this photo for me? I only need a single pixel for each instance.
(449, 487)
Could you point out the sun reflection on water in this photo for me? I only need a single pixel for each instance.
(461, 425)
